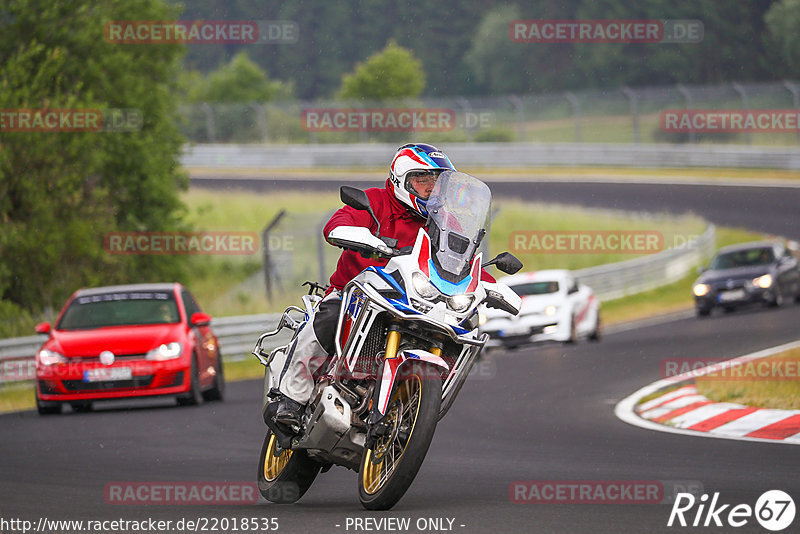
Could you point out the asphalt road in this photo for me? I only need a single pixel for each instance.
(543, 414)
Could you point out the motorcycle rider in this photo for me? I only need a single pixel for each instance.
(401, 209)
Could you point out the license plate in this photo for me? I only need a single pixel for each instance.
(514, 331)
(101, 374)
(728, 296)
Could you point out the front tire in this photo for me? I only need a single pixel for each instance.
(778, 300)
(217, 391)
(193, 396)
(47, 408)
(389, 467)
(285, 477)
(597, 333)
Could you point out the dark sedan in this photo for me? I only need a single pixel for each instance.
(761, 272)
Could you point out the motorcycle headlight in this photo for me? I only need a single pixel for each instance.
(701, 290)
(51, 357)
(460, 303)
(167, 351)
(481, 319)
(551, 310)
(423, 286)
(763, 281)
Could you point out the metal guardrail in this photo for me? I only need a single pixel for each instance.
(623, 278)
(227, 156)
(238, 334)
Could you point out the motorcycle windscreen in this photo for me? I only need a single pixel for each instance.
(458, 219)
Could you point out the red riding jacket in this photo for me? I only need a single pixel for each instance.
(397, 221)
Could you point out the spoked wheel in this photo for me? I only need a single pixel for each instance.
(284, 475)
(389, 467)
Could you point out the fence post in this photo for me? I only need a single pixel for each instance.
(268, 265)
(261, 119)
(465, 105)
(739, 88)
(576, 114)
(792, 88)
(633, 98)
(520, 108)
(321, 246)
(689, 103)
(210, 128)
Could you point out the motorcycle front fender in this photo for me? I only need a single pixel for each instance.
(391, 370)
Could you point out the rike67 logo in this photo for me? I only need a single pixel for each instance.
(774, 510)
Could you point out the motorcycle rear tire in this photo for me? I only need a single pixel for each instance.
(283, 479)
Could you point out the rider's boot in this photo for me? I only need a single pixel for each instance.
(289, 413)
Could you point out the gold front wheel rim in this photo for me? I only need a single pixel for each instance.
(375, 476)
(274, 465)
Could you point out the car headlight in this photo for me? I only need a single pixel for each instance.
(551, 310)
(460, 303)
(167, 351)
(701, 290)
(423, 286)
(763, 281)
(51, 357)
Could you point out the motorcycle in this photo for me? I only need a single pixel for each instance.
(406, 339)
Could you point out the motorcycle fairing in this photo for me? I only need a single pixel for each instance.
(391, 367)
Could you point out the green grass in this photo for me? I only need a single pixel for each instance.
(760, 392)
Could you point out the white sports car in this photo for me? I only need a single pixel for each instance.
(555, 307)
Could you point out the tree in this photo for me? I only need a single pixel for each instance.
(241, 80)
(61, 192)
(781, 43)
(391, 73)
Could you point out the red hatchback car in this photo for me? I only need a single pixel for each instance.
(128, 341)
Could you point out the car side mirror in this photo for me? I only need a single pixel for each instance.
(200, 319)
(701, 269)
(505, 262)
(42, 328)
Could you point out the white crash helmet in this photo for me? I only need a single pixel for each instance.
(410, 158)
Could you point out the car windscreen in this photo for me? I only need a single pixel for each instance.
(536, 288)
(119, 309)
(743, 258)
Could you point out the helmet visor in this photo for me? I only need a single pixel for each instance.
(421, 183)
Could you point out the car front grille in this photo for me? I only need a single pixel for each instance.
(117, 357)
(135, 382)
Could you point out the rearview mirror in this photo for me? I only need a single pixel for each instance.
(505, 262)
(355, 198)
(42, 328)
(358, 199)
(200, 319)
